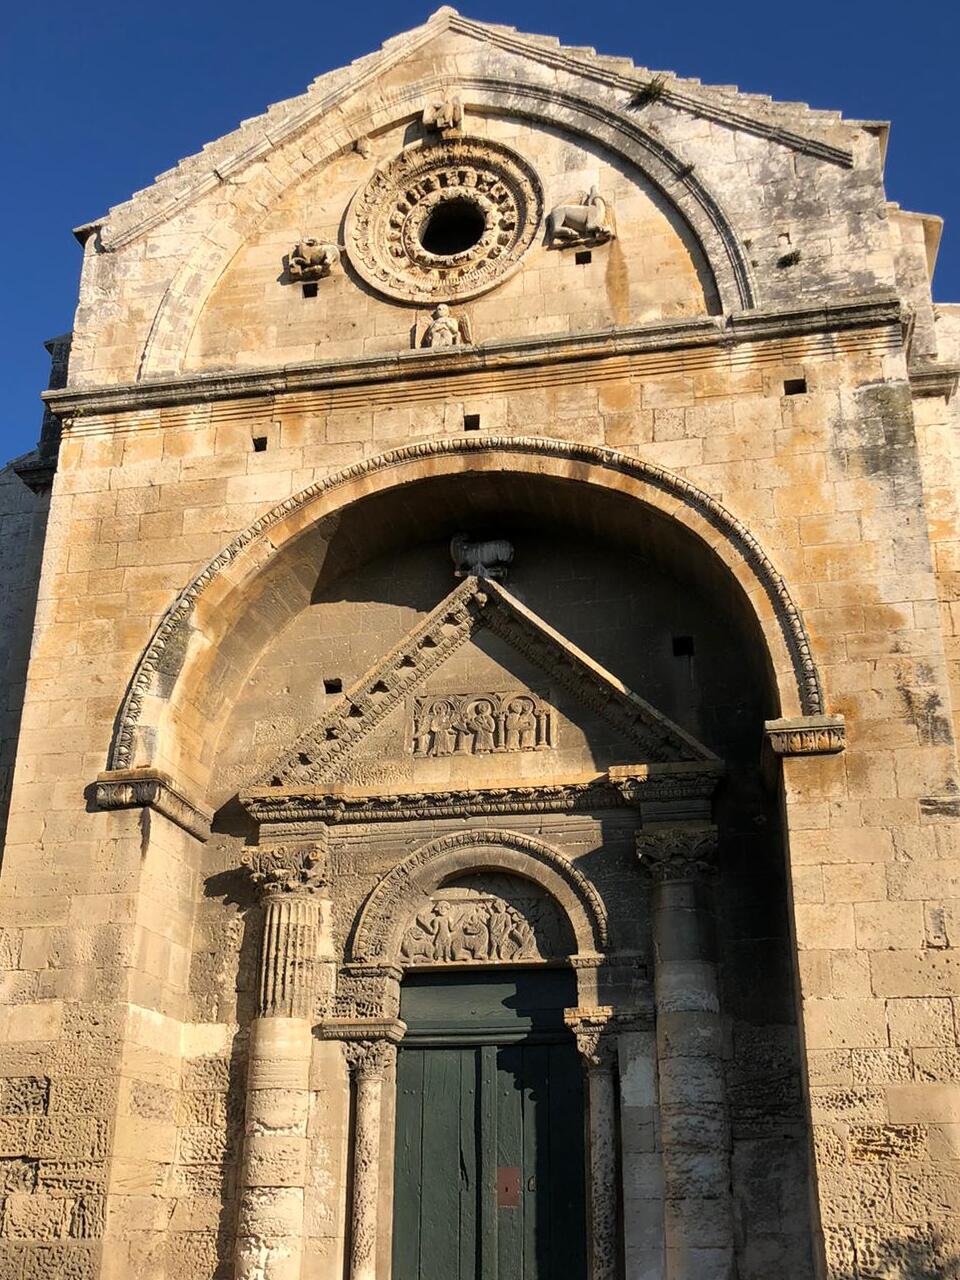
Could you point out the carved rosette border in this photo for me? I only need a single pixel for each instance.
(177, 618)
(398, 893)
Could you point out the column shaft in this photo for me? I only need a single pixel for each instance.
(369, 1061)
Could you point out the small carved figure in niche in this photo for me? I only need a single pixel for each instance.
(443, 729)
(444, 330)
(422, 734)
(444, 931)
(580, 224)
(312, 260)
(484, 727)
(445, 115)
(500, 925)
(520, 725)
(488, 559)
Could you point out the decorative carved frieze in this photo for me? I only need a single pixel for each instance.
(482, 192)
(481, 724)
(806, 736)
(488, 923)
(135, 789)
(677, 853)
(584, 223)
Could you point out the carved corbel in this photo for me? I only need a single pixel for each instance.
(444, 116)
(312, 260)
(592, 1028)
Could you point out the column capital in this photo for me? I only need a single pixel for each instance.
(368, 1046)
(593, 1031)
(678, 853)
(287, 868)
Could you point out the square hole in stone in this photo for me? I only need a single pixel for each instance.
(259, 444)
(683, 646)
(333, 685)
(794, 386)
(583, 257)
(471, 422)
(310, 289)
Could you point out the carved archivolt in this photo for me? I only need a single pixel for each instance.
(476, 181)
(406, 899)
(172, 633)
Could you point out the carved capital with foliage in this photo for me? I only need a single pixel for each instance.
(676, 853)
(593, 1029)
(287, 868)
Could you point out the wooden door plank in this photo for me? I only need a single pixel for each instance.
(568, 1224)
(510, 1155)
(536, 1164)
(488, 1162)
(469, 1171)
(440, 1182)
(407, 1165)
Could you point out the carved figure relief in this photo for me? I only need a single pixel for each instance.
(485, 919)
(481, 724)
(486, 559)
(445, 330)
(586, 223)
(444, 221)
(445, 115)
(312, 260)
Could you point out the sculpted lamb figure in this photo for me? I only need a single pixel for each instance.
(584, 223)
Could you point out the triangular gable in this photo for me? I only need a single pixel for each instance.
(258, 136)
(477, 603)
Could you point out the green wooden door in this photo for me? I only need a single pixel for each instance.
(489, 1174)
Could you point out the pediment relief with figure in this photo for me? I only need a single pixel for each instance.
(481, 692)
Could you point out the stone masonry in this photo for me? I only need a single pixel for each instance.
(679, 715)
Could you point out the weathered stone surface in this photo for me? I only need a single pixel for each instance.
(678, 398)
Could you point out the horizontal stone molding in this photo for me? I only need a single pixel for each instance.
(806, 736)
(934, 380)
(622, 786)
(671, 335)
(150, 789)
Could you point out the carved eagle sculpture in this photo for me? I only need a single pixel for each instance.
(489, 559)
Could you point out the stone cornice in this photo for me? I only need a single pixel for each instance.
(150, 789)
(622, 786)
(675, 335)
(934, 380)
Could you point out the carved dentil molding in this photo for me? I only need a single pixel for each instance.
(677, 854)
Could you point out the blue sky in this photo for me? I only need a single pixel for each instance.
(97, 99)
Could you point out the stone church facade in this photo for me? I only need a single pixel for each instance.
(481, 796)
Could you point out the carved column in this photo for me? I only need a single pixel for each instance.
(598, 1049)
(690, 1050)
(273, 1175)
(370, 1061)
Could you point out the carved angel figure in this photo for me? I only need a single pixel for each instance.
(584, 223)
(443, 114)
(445, 330)
(312, 260)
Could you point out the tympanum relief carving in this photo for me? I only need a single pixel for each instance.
(481, 724)
(488, 920)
